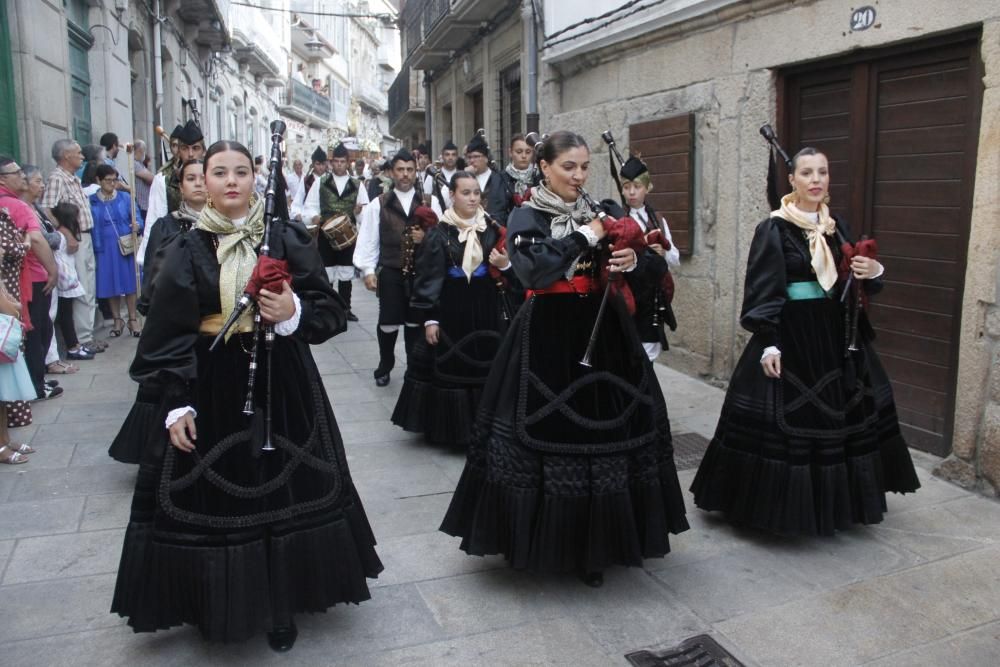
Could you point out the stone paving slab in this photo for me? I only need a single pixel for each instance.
(919, 589)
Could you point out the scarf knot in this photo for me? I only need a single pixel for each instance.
(237, 255)
(819, 250)
(468, 233)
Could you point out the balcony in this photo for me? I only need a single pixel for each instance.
(368, 95)
(407, 98)
(302, 103)
(433, 28)
(256, 45)
(208, 18)
(309, 42)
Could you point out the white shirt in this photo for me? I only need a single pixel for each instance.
(366, 252)
(672, 256)
(293, 181)
(157, 209)
(483, 179)
(310, 207)
(298, 201)
(445, 193)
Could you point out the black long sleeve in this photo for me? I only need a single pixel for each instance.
(324, 313)
(539, 260)
(765, 290)
(431, 266)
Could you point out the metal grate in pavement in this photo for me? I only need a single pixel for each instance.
(688, 450)
(700, 651)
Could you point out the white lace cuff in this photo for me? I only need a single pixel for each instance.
(770, 351)
(174, 415)
(430, 322)
(289, 326)
(635, 262)
(588, 234)
(881, 270)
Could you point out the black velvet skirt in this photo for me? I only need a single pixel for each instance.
(443, 382)
(814, 451)
(236, 540)
(142, 427)
(571, 468)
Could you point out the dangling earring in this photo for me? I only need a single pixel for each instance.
(209, 203)
(826, 199)
(253, 199)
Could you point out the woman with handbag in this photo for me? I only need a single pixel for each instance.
(114, 246)
(15, 381)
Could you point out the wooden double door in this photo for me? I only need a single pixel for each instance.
(900, 127)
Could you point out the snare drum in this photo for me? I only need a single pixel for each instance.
(340, 231)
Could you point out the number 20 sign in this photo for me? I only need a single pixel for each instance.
(862, 18)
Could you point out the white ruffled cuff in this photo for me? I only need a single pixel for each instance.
(588, 234)
(770, 351)
(174, 415)
(291, 325)
(430, 322)
(881, 270)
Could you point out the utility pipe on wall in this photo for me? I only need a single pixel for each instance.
(158, 68)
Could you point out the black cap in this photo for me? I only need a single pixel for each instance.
(340, 150)
(633, 168)
(190, 134)
(423, 149)
(319, 155)
(450, 146)
(402, 155)
(478, 145)
(177, 132)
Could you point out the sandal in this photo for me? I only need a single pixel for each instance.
(21, 448)
(116, 330)
(14, 458)
(60, 368)
(135, 331)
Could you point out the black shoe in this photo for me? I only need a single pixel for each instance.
(52, 383)
(50, 392)
(81, 354)
(282, 639)
(381, 377)
(351, 317)
(593, 579)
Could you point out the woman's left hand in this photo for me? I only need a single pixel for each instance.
(865, 268)
(275, 307)
(622, 260)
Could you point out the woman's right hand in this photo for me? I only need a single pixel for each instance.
(772, 365)
(598, 228)
(183, 433)
(432, 332)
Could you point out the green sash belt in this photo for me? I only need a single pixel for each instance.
(805, 290)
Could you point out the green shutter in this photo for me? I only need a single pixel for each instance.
(8, 100)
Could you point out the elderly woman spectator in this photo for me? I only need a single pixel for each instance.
(116, 277)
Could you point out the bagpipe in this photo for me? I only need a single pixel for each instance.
(426, 218)
(662, 310)
(865, 247)
(496, 275)
(269, 273)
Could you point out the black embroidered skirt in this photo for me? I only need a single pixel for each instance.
(571, 468)
(236, 540)
(443, 382)
(815, 451)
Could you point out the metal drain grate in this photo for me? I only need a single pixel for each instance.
(688, 450)
(700, 651)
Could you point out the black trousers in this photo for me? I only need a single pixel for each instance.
(36, 342)
(64, 320)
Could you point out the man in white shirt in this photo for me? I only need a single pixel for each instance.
(449, 158)
(293, 180)
(389, 231)
(164, 193)
(336, 194)
(317, 170)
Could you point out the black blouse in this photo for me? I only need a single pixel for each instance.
(185, 290)
(779, 255)
(440, 251)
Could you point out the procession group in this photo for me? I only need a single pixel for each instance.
(531, 316)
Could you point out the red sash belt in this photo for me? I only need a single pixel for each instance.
(576, 285)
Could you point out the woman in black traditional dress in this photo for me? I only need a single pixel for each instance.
(808, 441)
(465, 310)
(142, 423)
(572, 467)
(223, 534)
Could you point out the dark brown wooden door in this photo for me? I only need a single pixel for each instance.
(900, 129)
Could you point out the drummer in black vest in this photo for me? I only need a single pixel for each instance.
(390, 231)
(496, 200)
(317, 170)
(336, 195)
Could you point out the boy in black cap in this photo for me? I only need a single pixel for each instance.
(336, 194)
(652, 304)
(496, 200)
(316, 171)
(165, 193)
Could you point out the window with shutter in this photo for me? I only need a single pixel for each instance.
(667, 147)
(8, 102)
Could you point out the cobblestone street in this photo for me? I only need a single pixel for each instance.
(923, 588)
